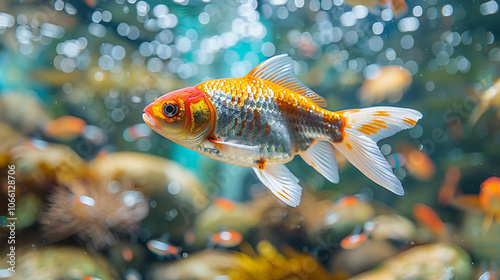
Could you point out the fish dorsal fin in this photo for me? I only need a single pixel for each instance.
(279, 70)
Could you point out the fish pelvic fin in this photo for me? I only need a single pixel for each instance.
(282, 183)
(362, 128)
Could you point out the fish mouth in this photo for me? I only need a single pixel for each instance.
(149, 120)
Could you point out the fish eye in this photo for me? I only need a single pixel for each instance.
(170, 110)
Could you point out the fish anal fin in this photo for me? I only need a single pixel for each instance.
(282, 183)
(321, 156)
(279, 70)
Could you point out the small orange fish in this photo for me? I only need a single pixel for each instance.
(88, 277)
(487, 99)
(390, 84)
(65, 127)
(137, 131)
(265, 118)
(449, 186)
(127, 254)
(488, 201)
(488, 275)
(227, 238)
(418, 163)
(428, 218)
(397, 6)
(90, 3)
(353, 241)
(162, 248)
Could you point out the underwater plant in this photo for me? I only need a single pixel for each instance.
(95, 212)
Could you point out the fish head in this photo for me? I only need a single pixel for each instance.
(185, 116)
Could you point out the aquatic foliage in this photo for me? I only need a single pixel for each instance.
(93, 211)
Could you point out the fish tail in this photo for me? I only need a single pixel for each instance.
(362, 128)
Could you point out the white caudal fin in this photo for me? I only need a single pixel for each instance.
(281, 182)
(363, 128)
(321, 156)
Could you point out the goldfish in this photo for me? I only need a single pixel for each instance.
(488, 98)
(135, 132)
(390, 83)
(397, 6)
(227, 238)
(449, 186)
(353, 241)
(428, 218)
(264, 119)
(418, 163)
(65, 127)
(488, 201)
(162, 248)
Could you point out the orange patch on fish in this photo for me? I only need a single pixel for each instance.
(410, 121)
(382, 114)
(127, 254)
(348, 201)
(227, 238)
(224, 203)
(162, 248)
(353, 241)
(380, 123)
(88, 277)
(368, 129)
(348, 145)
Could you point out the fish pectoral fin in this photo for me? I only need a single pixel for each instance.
(321, 156)
(231, 148)
(281, 182)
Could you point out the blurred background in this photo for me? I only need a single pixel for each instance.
(99, 195)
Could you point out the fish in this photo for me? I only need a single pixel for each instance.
(390, 82)
(489, 98)
(136, 132)
(264, 119)
(488, 201)
(418, 163)
(353, 241)
(449, 187)
(162, 248)
(65, 128)
(227, 238)
(397, 6)
(429, 219)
